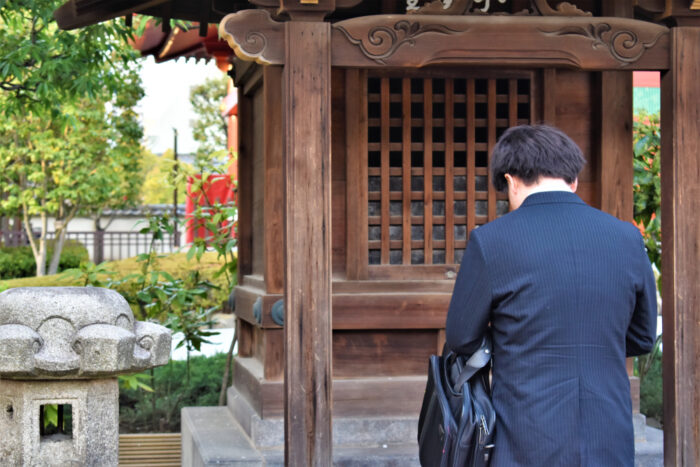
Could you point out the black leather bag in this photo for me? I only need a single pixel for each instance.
(457, 419)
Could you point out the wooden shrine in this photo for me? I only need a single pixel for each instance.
(365, 130)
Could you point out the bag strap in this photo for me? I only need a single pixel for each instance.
(476, 362)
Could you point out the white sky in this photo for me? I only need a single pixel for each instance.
(166, 104)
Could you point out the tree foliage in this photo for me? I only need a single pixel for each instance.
(647, 182)
(42, 67)
(69, 135)
(160, 179)
(209, 129)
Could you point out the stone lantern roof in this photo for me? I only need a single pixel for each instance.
(75, 333)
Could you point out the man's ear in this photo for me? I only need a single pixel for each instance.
(512, 184)
(574, 185)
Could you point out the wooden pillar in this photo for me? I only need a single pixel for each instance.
(307, 166)
(680, 198)
(616, 154)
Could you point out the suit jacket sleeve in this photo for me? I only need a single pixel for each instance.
(641, 333)
(470, 307)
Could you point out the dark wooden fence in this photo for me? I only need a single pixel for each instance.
(104, 246)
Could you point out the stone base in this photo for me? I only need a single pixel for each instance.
(237, 436)
(93, 439)
(212, 437)
(347, 431)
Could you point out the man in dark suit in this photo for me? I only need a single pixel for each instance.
(567, 292)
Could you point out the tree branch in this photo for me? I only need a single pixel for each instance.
(28, 229)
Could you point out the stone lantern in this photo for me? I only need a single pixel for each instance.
(61, 349)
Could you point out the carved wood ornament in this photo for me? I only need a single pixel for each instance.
(254, 36)
(414, 41)
(521, 41)
(467, 7)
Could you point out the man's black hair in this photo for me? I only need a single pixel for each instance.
(532, 151)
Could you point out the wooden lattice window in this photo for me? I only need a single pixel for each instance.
(428, 180)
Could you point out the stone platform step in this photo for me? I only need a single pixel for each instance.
(389, 456)
(649, 451)
(212, 437)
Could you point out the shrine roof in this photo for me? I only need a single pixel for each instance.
(178, 43)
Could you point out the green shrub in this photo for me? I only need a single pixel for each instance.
(651, 401)
(72, 255)
(159, 411)
(18, 261)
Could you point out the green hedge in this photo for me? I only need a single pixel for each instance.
(173, 390)
(18, 262)
(651, 391)
(175, 264)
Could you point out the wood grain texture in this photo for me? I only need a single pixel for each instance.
(353, 397)
(575, 116)
(416, 41)
(381, 353)
(680, 195)
(390, 311)
(616, 158)
(254, 36)
(356, 163)
(616, 155)
(338, 172)
(258, 180)
(418, 301)
(307, 163)
(273, 230)
(244, 193)
(549, 96)
(152, 449)
(512, 102)
(246, 296)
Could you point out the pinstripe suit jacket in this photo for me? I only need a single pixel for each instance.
(569, 292)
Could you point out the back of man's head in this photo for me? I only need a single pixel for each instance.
(533, 151)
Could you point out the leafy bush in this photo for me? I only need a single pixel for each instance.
(176, 264)
(647, 182)
(159, 411)
(72, 255)
(651, 401)
(18, 261)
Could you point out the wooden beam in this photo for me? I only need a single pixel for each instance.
(680, 167)
(307, 164)
(415, 41)
(79, 13)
